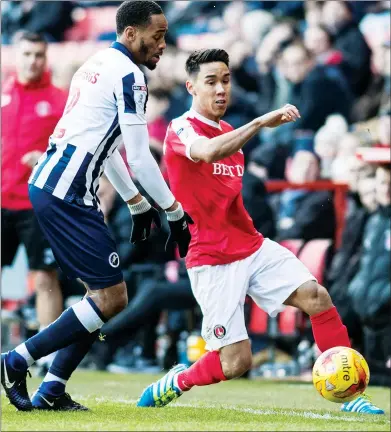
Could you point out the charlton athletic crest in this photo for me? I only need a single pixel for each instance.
(219, 331)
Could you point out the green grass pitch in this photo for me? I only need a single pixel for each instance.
(236, 405)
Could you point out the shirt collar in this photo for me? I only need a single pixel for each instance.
(200, 117)
(121, 47)
(12, 81)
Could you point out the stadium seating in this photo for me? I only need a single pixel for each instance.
(314, 255)
(294, 245)
(258, 323)
(91, 23)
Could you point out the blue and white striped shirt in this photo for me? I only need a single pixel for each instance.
(107, 91)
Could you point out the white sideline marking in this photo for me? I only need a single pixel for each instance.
(259, 412)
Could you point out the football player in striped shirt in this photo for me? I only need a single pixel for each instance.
(106, 105)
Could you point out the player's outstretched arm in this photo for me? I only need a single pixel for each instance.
(214, 149)
(145, 168)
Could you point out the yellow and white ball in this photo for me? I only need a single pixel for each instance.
(340, 374)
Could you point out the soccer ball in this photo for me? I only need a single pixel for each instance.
(340, 374)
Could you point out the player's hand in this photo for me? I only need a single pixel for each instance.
(180, 234)
(287, 114)
(143, 216)
(31, 158)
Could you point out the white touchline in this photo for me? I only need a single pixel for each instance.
(259, 412)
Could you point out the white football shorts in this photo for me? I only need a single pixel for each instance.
(269, 276)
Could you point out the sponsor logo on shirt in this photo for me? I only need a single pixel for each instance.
(140, 96)
(136, 87)
(228, 170)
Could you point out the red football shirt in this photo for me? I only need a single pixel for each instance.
(223, 231)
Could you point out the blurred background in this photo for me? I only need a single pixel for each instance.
(320, 186)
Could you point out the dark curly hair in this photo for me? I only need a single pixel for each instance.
(136, 13)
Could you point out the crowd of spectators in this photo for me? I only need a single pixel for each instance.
(329, 58)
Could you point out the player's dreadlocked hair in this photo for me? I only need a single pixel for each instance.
(199, 57)
(136, 13)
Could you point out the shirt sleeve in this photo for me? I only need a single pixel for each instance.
(144, 166)
(118, 175)
(181, 137)
(131, 94)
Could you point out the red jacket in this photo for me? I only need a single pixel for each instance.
(29, 114)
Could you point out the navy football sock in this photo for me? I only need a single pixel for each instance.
(76, 322)
(65, 363)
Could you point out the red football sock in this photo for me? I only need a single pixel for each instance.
(207, 370)
(329, 330)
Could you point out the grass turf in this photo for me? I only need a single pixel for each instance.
(236, 405)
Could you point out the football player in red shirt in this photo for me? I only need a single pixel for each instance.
(227, 258)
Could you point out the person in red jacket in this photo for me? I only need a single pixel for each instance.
(30, 108)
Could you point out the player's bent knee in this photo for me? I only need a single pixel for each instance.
(112, 300)
(311, 298)
(119, 301)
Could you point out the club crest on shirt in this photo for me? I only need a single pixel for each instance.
(219, 331)
(43, 109)
(114, 259)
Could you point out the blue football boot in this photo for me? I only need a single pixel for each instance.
(361, 405)
(41, 401)
(163, 391)
(15, 386)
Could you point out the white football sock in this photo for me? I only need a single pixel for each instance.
(22, 350)
(50, 377)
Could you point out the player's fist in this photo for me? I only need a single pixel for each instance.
(144, 216)
(180, 234)
(287, 114)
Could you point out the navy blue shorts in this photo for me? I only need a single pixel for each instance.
(79, 238)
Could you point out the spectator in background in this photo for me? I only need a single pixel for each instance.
(158, 103)
(305, 214)
(338, 17)
(361, 203)
(327, 142)
(377, 95)
(317, 95)
(31, 107)
(370, 290)
(273, 90)
(318, 40)
(255, 199)
(375, 24)
(312, 13)
(50, 18)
